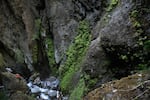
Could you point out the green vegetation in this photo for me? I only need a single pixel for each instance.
(1, 60)
(75, 55)
(35, 53)
(78, 91)
(90, 82)
(51, 55)
(39, 29)
(134, 19)
(147, 46)
(34, 39)
(140, 56)
(112, 4)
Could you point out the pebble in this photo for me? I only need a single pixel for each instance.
(35, 89)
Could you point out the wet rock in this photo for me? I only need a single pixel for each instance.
(9, 69)
(44, 96)
(45, 89)
(52, 93)
(35, 89)
(51, 82)
(134, 87)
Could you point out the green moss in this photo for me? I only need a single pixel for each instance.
(50, 54)
(112, 4)
(1, 61)
(136, 24)
(35, 53)
(134, 19)
(90, 82)
(75, 55)
(78, 91)
(147, 46)
(66, 81)
(142, 52)
(38, 28)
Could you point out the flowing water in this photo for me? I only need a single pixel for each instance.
(47, 89)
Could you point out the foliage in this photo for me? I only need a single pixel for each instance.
(112, 4)
(90, 82)
(35, 53)
(1, 61)
(134, 18)
(78, 91)
(75, 55)
(38, 28)
(147, 46)
(35, 38)
(50, 53)
(143, 41)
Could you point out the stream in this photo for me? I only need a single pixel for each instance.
(47, 89)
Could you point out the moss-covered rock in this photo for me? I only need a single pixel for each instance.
(112, 4)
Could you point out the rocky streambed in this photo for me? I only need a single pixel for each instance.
(47, 89)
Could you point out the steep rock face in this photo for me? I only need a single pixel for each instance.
(18, 29)
(14, 32)
(63, 17)
(62, 25)
(59, 18)
(117, 41)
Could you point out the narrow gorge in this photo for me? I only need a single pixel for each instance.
(74, 49)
